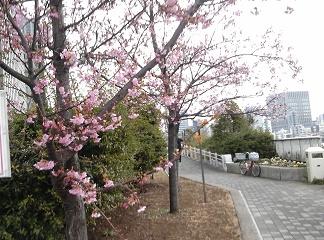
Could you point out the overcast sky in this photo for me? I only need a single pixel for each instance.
(303, 30)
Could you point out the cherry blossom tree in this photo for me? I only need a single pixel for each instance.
(201, 75)
(80, 58)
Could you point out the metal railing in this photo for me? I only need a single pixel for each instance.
(211, 158)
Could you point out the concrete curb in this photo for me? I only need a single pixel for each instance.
(249, 228)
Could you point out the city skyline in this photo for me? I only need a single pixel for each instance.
(301, 30)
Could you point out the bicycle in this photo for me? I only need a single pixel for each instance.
(250, 166)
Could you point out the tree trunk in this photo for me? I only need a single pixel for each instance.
(74, 210)
(75, 218)
(173, 184)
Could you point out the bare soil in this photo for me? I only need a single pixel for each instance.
(195, 220)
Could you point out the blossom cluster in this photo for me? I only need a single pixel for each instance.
(80, 185)
(69, 57)
(77, 132)
(131, 200)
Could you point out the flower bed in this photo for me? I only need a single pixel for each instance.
(280, 170)
(278, 162)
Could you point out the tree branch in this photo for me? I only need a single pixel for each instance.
(16, 74)
(140, 74)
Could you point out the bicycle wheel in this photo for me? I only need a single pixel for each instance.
(244, 167)
(256, 170)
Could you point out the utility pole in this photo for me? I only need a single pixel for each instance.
(198, 140)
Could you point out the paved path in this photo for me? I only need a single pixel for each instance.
(282, 210)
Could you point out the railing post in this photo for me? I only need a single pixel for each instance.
(210, 158)
(193, 152)
(216, 160)
(224, 164)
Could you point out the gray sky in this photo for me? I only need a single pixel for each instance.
(303, 30)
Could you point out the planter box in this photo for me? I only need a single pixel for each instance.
(233, 168)
(272, 172)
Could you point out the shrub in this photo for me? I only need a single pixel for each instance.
(30, 208)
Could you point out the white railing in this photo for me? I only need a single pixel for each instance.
(213, 159)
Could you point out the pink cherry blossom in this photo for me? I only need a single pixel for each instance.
(168, 100)
(68, 56)
(43, 141)
(40, 85)
(77, 120)
(133, 92)
(37, 58)
(90, 197)
(110, 127)
(66, 140)
(135, 82)
(48, 123)
(77, 190)
(171, 3)
(53, 14)
(109, 184)
(37, 89)
(44, 165)
(92, 98)
(62, 92)
(84, 138)
(158, 169)
(80, 185)
(174, 9)
(78, 147)
(30, 119)
(168, 165)
(76, 175)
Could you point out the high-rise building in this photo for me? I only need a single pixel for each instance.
(320, 119)
(184, 124)
(15, 89)
(294, 108)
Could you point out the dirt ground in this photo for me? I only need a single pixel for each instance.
(195, 220)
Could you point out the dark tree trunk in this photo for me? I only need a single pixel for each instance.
(173, 183)
(75, 218)
(74, 210)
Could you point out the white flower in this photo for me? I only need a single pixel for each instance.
(141, 209)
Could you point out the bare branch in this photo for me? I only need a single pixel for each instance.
(16, 74)
(140, 74)
(84, 17)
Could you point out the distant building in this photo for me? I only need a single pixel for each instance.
(262, 123)
(320, 119)
(184, 124)
(296, 112)
(195, 125)
(14, 88)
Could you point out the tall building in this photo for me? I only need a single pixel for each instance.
(320, 119)
(184, 124)
(295, 111)
(14, 88)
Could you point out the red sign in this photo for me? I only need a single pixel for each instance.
(5, 168)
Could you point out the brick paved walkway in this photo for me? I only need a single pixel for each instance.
(282, 210)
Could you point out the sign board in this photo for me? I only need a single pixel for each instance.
(5, 168)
